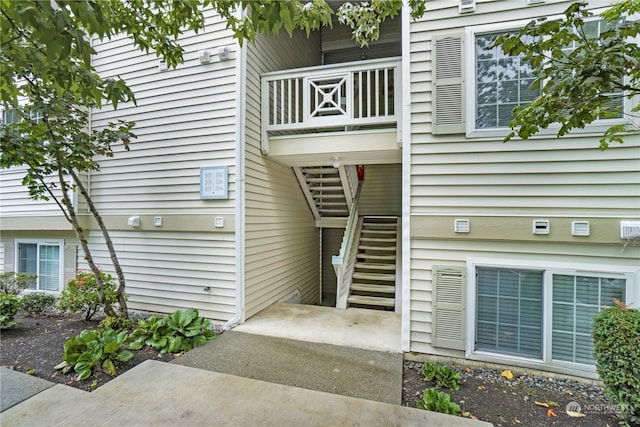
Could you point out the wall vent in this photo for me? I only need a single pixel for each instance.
(629, 230)
(580, 228)
(541, 226)
(466, 6)
(461, 226)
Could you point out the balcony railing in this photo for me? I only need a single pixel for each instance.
(364, 93)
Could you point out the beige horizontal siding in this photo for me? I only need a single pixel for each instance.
(281, 242)
(485, 179)
(427, 253)
(167, 271)
(185, 119)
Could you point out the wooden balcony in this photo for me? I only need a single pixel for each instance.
(348, 97)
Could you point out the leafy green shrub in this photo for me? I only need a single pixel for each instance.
(81, 294)
(180, 331)
(429, 371)
(616, 336)
(438, 401)
(9, 306)
(102, 347)
(118, 323)
(448, 377)
(12, 283)
(37, 303)
(444, 375)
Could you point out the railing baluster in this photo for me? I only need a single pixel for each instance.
(289, 105)
(298, 82)
(282, 105)
(386, 91)
(359, 94)
(275, 102)
(377, 93)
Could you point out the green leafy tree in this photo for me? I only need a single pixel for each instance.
(584, 74)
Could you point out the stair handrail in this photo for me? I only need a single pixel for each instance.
(346, 248)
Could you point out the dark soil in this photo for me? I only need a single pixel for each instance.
(35, 346)
(488, 396)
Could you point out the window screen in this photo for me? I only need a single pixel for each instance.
(509, 311)
(576, 299)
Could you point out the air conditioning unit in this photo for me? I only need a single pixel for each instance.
(629, 230)
(466, 6)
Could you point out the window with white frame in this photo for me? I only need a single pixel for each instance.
(502, 83)
(498, 82)
(43, 259)
(541, 314)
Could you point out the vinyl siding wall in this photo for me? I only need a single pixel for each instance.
(185, 120)
(281, 242)
(455, 177)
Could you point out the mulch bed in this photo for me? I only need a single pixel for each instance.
(35, 346)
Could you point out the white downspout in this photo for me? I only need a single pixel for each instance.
(241, 85)
(405, 338)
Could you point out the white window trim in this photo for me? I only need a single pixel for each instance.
(598, 127)
(632, 292)
(60, 244)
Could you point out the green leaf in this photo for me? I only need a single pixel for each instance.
(109, 366)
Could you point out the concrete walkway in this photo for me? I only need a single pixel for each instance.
(164, 394)
(291, 383)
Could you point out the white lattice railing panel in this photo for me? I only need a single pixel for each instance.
(351, 94)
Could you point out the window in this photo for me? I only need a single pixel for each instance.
(509, 316)
(541, 314)
(497, 83)
(576, 299)
(42, 259)
(501, 83)
(10, 116)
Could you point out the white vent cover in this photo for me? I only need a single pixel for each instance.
(541, 226)
(466, 6)
(461, 226)
(629, 230)
(580, 228)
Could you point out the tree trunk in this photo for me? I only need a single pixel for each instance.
(107, 238)
(73, 219)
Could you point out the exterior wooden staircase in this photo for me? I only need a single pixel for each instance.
(373, 282)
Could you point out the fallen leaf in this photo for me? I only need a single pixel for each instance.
(517, 421)
(576, 414)
(545, 404)
(467, 369)
(507, 374)
(481, 387)
(551, 413)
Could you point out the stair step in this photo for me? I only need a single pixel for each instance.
(378, 239)
(328, 210)
(369, 287)
(377, 248)
(374, 266)
(323, 180)
(341, 204)
(382, 232)
(325, 187)
(320, 171)
(377, 257)
(375, 276)
(366, 300)
(322, 196)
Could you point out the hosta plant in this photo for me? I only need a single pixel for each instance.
(438, 401)
(444, 375)
(102, 347)
(180, 331)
